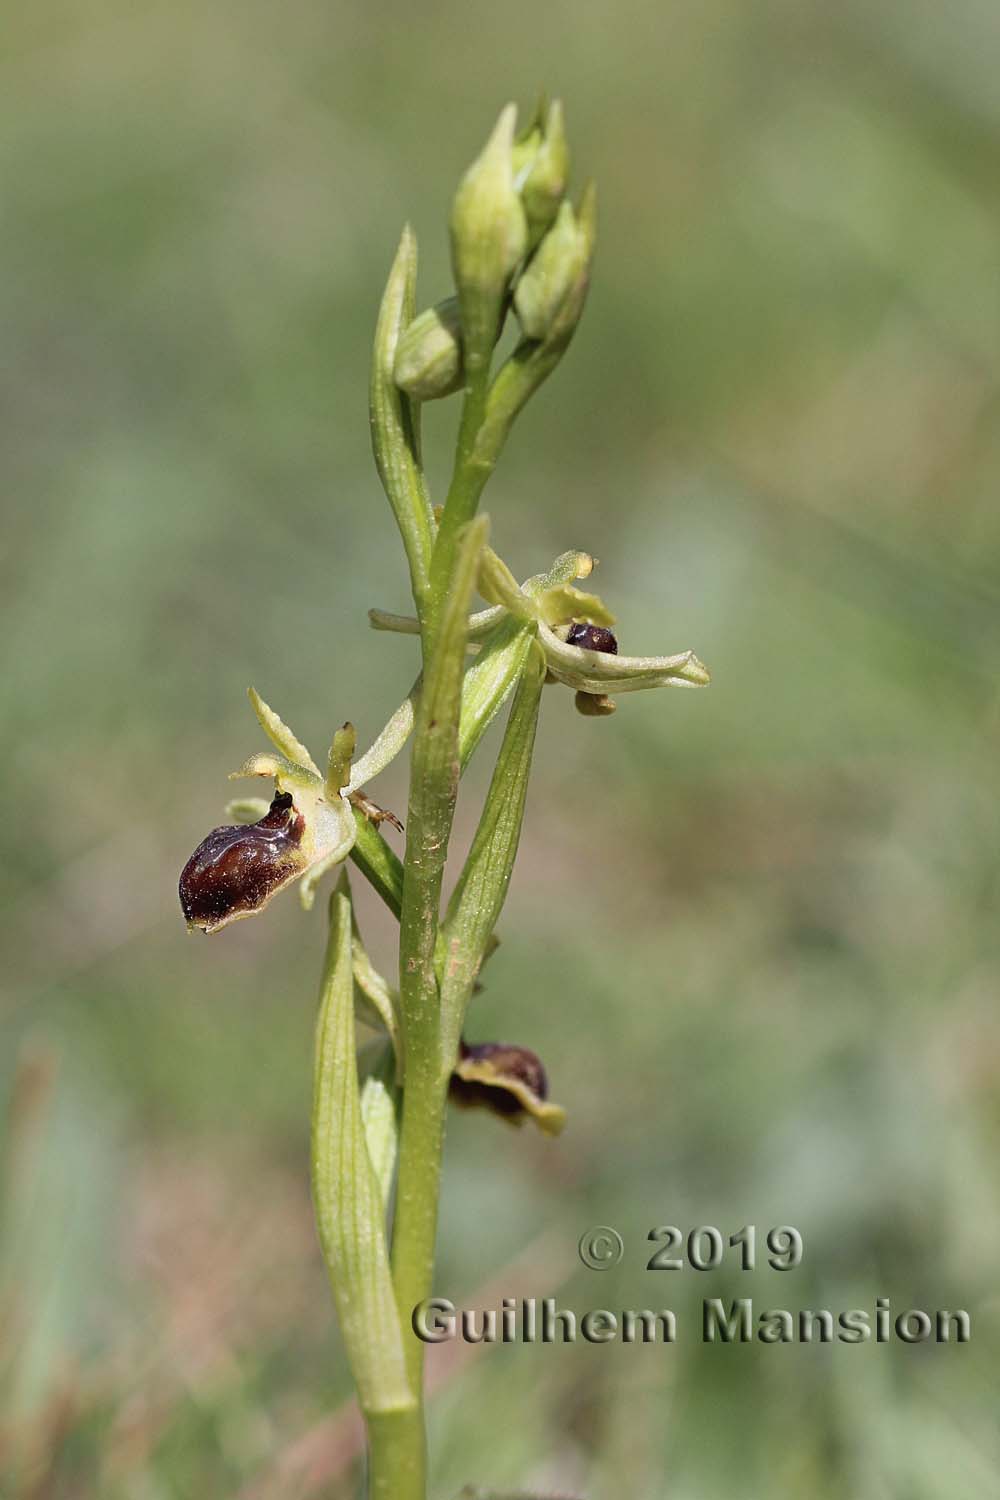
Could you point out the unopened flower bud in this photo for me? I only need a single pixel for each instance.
(541, 169)
(428, 361)
(549, 296)
(489, 236)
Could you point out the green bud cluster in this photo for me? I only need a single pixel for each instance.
(516, 241)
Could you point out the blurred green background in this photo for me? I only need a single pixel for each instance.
(753, 931)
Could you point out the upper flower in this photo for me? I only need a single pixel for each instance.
(573, 629)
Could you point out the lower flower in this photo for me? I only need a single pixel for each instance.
(509, 1080)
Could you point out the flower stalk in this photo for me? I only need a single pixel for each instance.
(519, 250)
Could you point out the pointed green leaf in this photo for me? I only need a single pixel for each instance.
(479, 895)
(394, 422)
(346, 1191)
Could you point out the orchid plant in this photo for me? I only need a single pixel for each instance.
(521, 253)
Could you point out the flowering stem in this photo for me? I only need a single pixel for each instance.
(468, 480)
(434, 778)
(516, 243)
(397, 1455)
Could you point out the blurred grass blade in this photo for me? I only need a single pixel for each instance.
(346, 1190)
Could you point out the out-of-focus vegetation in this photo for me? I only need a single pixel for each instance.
(753, 930)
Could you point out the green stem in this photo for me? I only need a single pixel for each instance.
(433, 789)
(468, 480)
(397, 1455)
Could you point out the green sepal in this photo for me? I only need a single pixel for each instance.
(279, 734)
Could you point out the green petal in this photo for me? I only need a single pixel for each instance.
(560, 605)
(284, 772)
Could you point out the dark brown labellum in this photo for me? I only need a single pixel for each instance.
(511, 1064)
(591, 638)
(237, 867)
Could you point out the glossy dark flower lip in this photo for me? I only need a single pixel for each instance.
(237, 868)
(592, 637)
(307, 828)
(507, 1079)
